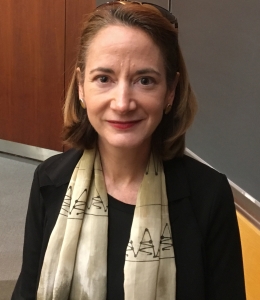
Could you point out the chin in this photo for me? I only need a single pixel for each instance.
(127, 144)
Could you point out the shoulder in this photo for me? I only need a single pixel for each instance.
(206, 188)
(198, 175)
(209, 188)
(58, 169)
(190, 165)
(201, 174)
(205, 180)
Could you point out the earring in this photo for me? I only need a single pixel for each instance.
(82, 103)
(167, 109)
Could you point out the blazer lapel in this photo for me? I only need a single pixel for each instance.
(59, 171)
(187, 239)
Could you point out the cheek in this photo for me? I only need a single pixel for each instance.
(156, 107)
(92, 113)
(156, 116)
(157, 112)
(93, 119)
(95, 109)
(92, 102)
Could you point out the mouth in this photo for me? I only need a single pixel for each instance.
(123, 125)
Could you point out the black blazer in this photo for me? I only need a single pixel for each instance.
(203, 221)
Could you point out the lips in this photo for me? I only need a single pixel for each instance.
(123, 125)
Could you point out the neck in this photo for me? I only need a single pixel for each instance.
(123, 171)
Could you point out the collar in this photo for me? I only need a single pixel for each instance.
(58, 169)
(177, 185)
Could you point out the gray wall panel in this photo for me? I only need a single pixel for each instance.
(221, 44)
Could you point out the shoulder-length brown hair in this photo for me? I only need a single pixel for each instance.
(169, 137)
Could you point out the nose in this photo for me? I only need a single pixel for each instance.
(122, 101)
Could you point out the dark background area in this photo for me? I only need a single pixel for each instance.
(221, 45)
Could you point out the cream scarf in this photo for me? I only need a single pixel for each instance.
(75, 262)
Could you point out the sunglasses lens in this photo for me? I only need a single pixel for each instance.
(165, 13)
(168, 15)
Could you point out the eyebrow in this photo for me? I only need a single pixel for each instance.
(100, 69)
(147, 70)
(138, 72)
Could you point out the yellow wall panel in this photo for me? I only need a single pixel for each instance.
(250, 239)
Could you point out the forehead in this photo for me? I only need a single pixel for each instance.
(122, 42)
(119, 30)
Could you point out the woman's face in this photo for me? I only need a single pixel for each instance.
(124, 88)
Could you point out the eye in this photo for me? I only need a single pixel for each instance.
(103, 79)
(146, 80)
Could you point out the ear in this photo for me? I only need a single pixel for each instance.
(80, 84)
(171, 92)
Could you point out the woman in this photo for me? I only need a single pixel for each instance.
(127, 215)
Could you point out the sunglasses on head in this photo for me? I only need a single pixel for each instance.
(164, 12)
